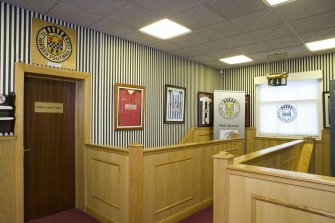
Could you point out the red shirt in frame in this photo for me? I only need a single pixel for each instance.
(130, 107)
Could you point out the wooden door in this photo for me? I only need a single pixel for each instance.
(49, 142)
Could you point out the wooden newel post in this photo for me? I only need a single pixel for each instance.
(221, 186)
(135, 182)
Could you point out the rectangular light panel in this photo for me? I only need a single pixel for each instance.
(321, 45)
(236, 59)
(277, 2)
(165, 29)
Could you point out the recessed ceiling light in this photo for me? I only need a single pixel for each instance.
(321, 45)
(165, 29)
(236, 59)
(277, 2)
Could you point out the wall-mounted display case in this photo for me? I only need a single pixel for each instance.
(7, 113)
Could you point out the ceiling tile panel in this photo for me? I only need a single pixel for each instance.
(313, 23)
(319, 34)
(219, 30)
(41, 6)
(197, 17)
(112, 27)
(202, 58)
(134, 16)
(185, 52)
(257, 20)
(165, 46)
(230, 9)
(208, 47)
(304, 8)
(222, 54)
(238, 40)
(73, 15)
(291, 52)
(250, 49)
(189, 39)
(273, 32)
(282, 43)
(167, 8)
(141, 38)
(98, 7)
(218, 64)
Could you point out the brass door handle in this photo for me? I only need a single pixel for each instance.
(26, 150)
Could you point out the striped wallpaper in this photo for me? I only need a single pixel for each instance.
(242, 78)
(113, 60)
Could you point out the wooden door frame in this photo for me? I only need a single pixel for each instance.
(82, 127)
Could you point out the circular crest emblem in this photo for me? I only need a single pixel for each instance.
(2, 99)
(229, 108)
(287, 113)
(54, 44)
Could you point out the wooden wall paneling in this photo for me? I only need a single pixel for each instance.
(107, 184)
(178, 180)
(136, 183)
(200, 134)
(250, 134)
(265, 197)
(167, 189)
(221, 189)
(7, 179)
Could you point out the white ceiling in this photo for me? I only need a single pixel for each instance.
(220, 28)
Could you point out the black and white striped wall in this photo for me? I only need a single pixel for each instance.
(242, 78)
(113, 60)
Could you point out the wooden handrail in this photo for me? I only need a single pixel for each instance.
(187, 145)
(250, 157)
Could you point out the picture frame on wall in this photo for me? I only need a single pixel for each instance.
(247, 110)
(129, 107)
(326, 108)
(205, 109)
(174, 104)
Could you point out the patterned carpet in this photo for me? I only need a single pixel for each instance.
(76, 216)
(203, 216)
(69, 216)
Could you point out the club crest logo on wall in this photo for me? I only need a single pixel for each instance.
(287, 113)
(229, 108)
(54, 44)
(2, 99)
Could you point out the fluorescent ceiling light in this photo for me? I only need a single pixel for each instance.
(236, 59)
(321, 45)
(277, 2)
(165, 29)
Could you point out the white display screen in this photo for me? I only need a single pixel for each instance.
(289, 110)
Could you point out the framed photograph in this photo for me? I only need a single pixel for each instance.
(326, 108)
(247, 110)
(205, 109)
(129, 108)
(174, 104)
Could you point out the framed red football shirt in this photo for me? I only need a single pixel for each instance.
(129, 113)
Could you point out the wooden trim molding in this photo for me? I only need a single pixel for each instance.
(316, 211)
(7, 138)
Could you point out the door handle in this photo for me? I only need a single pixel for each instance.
(26, 150)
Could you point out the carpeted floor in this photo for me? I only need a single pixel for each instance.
(76, 216)
(69, 216)
(203, 216)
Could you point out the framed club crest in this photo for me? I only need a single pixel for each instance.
(205, 109)
(129, 107)
(53, 45)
